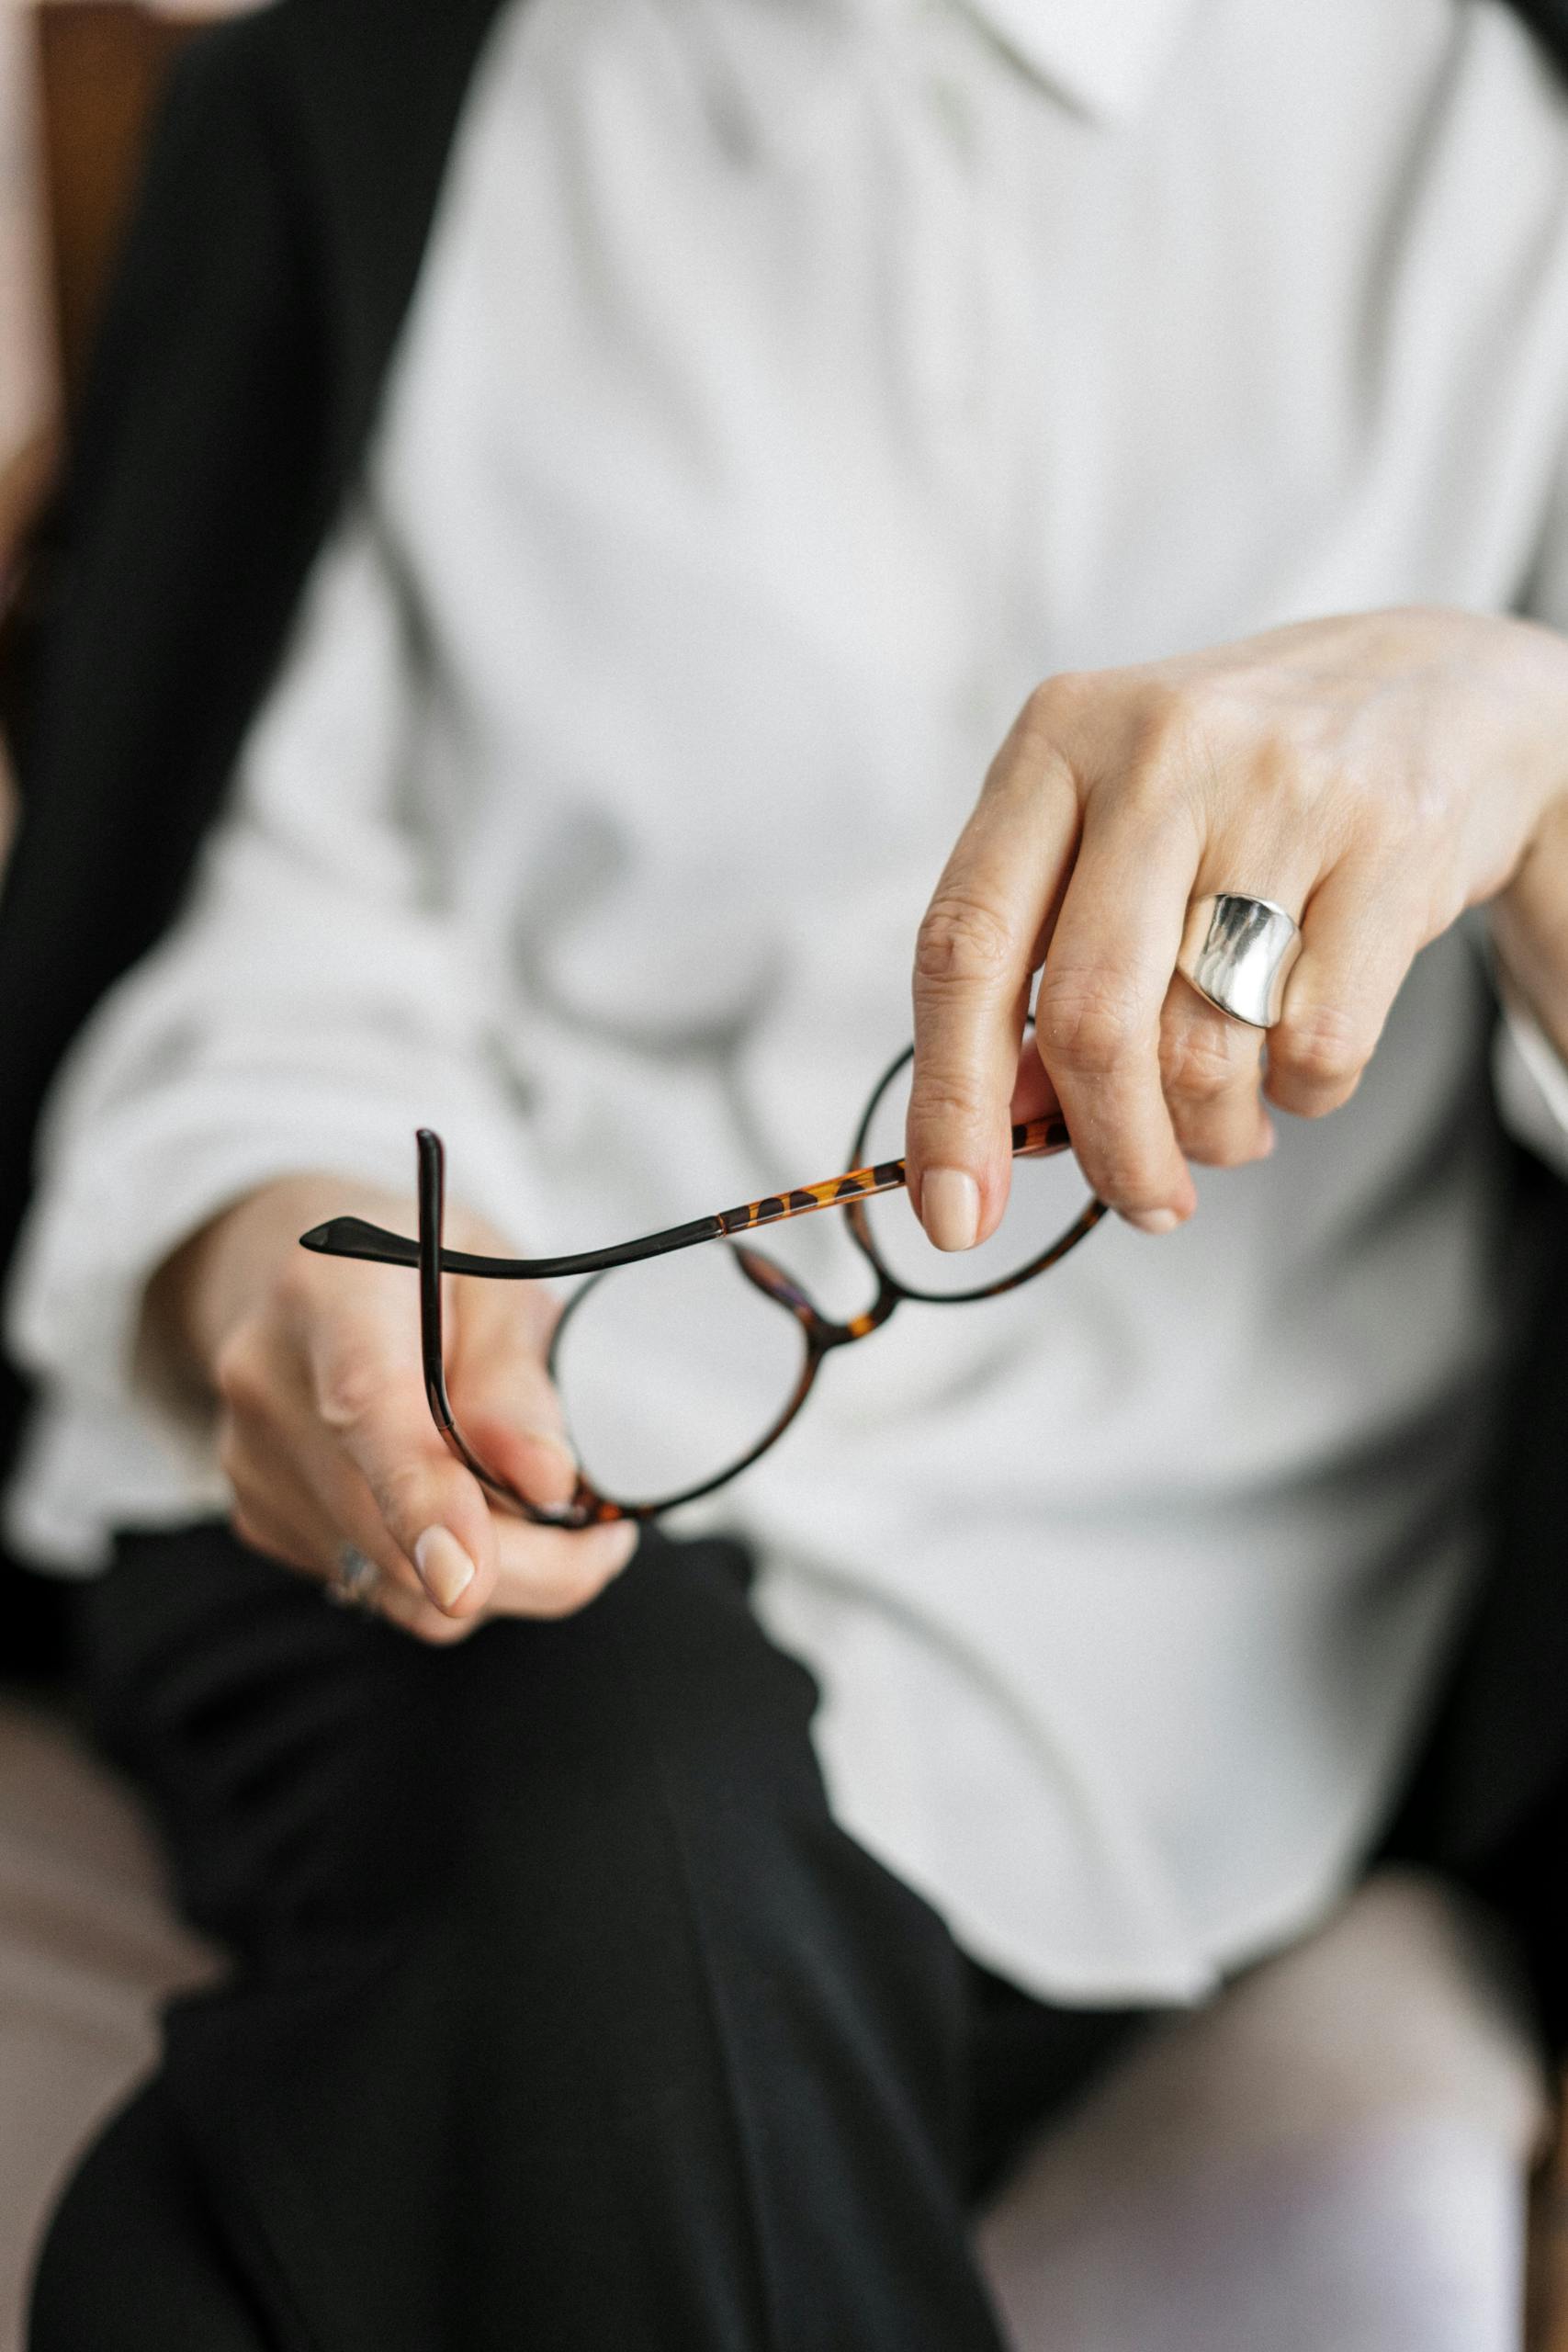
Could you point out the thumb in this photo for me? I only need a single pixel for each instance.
(432, 1512)
(437, 1515)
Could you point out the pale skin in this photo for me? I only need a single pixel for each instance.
(1376, 774)
(323, 1431)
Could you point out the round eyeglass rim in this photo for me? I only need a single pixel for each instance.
(821, 1337)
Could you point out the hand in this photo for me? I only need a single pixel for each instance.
(1375, 775)
(323, 1431)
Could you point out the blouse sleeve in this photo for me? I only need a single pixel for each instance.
(314, 1002)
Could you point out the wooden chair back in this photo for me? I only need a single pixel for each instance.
(100, 66)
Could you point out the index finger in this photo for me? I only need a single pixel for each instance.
(975, 956)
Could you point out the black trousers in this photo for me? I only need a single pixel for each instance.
(564, 2016)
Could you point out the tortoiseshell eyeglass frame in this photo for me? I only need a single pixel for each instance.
(352, 1237)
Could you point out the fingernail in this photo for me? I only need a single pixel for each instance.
(1153, 1220)
(950, 1207)
(445, 1568)
(557, 1444)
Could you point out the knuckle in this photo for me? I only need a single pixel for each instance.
(350, 1387)
(1446, 896)
(1131, 1181)
(940, 1106)
(1087, 1021)
(1320, 1047)
(298, 1282)
(241, 1371)
(1447, 903)
(1172, 719)
(1054, 705)
(1219, 1146)
(403, 1491)
(233, 1452)
(1291, 782)
(962, 943)
(1382, 823)
(246, 1527)
(257, 1536)
(1200, 1064)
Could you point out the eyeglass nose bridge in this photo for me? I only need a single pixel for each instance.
(822, 1333)
(764, 1273)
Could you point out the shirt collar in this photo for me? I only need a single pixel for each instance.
(769, 64)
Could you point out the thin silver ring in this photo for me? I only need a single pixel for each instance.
(1238, 952)
(355, 1581)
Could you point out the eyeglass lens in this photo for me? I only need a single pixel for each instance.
(674, 1371)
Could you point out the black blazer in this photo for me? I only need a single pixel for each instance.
(266, 274)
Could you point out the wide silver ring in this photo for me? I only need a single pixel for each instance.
(1238, 953)
(355, 1580)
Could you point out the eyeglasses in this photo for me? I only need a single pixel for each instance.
(626, 1342)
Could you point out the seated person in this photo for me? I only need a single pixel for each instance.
(666, 1943)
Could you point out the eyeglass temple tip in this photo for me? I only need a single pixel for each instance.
(352, 1237)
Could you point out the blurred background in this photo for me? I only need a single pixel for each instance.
(88, 1944)
(77, 81)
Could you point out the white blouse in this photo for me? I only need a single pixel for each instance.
(790, 385)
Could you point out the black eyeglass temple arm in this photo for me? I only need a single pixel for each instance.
(354, 1236)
